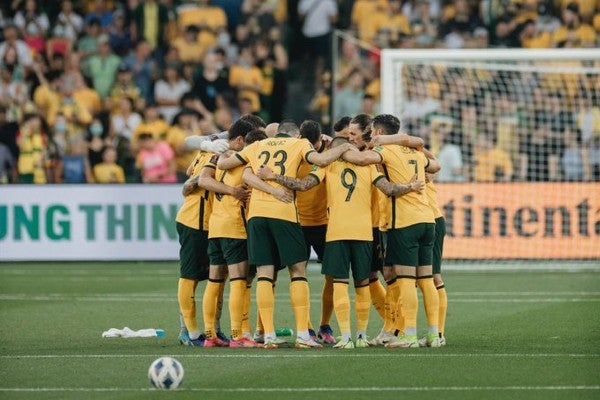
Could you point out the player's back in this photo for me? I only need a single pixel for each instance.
(400, 165)
(312, 203)
(283, 154)
(195, 209)
(349, 201)
(227, 219)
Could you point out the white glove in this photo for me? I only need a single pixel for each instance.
(205, 144)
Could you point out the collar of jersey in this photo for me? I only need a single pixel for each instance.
(283, 135)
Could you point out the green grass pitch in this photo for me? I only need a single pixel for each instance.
(511, 335)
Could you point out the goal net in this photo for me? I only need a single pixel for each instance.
(518, 135)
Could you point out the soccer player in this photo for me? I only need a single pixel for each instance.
(357, 127)
(312, 214)
(192, 227)
(274, 234)
(349, 237)
(227, 250)
(438, 249)
(412, 228)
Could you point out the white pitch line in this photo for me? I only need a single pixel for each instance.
(318, 389)
(325, 354)
(314, 299)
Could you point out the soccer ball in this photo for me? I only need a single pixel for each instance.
(166, 373)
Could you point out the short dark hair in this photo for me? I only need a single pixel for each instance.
(239, 128)
(341, 124)
(255, 120)
(145, 136)
(389, 123)
(362, 120)
(310, 130)
(254, 136)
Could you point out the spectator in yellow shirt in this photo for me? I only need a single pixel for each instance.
(573, 33)
(247, 78)
(108, 171)
(188, 46)
(492, 164)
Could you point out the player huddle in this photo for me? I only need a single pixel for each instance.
(364, 201)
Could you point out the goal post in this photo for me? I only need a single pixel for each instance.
(517, 132)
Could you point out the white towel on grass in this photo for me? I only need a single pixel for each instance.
(127, 333)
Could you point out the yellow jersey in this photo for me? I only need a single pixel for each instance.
(431, 194)
(312, 204)
(108, 173)
(400, 164)
(228, 214)
(487, 164)
(283, 154)
(157, 128)
(195, 211)
(349, 199)
(247, 76)
(175, 137)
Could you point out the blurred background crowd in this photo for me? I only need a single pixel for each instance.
(106, 91)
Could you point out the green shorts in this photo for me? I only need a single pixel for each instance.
(410, 246)
(438, 244)
(227, 251)
(377, 257)
(276, 242)
(193, 256)
(314, 236)
(341, 256)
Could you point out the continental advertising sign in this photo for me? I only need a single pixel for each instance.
(521, 220)
(136, 222)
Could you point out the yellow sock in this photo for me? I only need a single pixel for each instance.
(265, 299)
(300, 297)
(362, 307)
(399, 323)
(443, 307)
(327, 301)
(377, 296)
(209, 307)
(219, 305)
(341, 305)
(410, 304)
(392, 294)
(431, 301)
(187, 304)
(246, 311)
(237, 290)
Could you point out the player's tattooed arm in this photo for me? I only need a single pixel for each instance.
(289, 182)
(191, 186)
(399, 189)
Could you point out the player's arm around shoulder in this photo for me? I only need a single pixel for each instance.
(230, 160)
(311, 180)
(328, 156)
(433, 165)
(398, 189)
(280, 193)
(366, 157)
(401, 139)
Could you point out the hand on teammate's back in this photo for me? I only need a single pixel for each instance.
(241, 192)
(265, 173)
(283, 194)
(416, 186)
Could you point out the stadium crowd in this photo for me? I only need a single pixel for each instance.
(107, 90)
